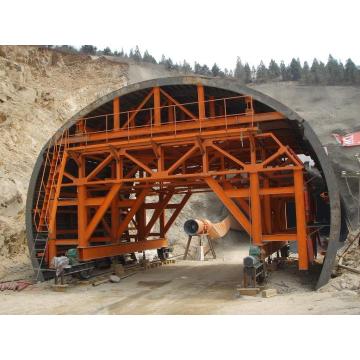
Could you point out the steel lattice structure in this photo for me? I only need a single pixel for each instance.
(114, 180)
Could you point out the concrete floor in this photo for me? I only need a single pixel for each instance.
(187, 287)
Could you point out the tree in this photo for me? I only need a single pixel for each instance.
(66, 48)
(107, 51)
(205, 70)
(163, 60)
(197, 68)
(351, 73)
(186, 67)
(318, 72)
(239, 72)
(169, 65)
(149, 58)
(215, 70)
(137, 54)
(295, 69)
(306, 77)
(274, 70)
(88, 49)
(334, 71)
(261, 73)
(284, 72)
(248, 75)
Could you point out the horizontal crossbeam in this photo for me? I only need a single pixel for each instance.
(103, 251)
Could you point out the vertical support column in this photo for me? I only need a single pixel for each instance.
(267, 208)
(162, 219)
(82, 211)
(171, 110)
(201, 101)
(212, 107)
(53, 209)
(141, 222)
(205, 160)
(115, 211)
(300, 220)
(80, 126)
(51, 251)
(157, 110)
(249, 105)
(116, 111)
(256, 228)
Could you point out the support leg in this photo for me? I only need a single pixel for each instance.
(300, 220)
(187, 247)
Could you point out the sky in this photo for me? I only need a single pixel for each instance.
(203, 31)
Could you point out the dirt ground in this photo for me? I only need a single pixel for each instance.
(186, 287)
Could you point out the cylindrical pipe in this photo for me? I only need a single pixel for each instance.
(206, 227)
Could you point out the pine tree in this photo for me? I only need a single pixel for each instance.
(284, 72)
(261, 73)
(334, 71)
(215, 70)
(306, 77)
(149, 58)
(318, 72)
(137, 54)
(169, 65)
(351, 73)
(248, 75)
(239, 72)
(66, 48)
(295, 69)
(107, 51)
(274, 70)
(186, 67)
(88, 49)
(163, 60)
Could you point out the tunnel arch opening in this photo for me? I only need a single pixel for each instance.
(210, 134)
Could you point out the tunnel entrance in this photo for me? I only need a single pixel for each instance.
(167, 140)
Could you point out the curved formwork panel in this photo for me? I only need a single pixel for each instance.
(92, 182)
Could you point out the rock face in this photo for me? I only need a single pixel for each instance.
(39, 90)
(328, 109)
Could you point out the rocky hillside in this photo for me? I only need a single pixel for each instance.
(328, 109)
(39, 91)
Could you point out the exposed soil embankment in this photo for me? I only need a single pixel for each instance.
(39, 90)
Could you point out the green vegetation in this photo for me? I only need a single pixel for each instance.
(334, 72)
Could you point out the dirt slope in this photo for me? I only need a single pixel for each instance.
(39, 91)
(328, 109)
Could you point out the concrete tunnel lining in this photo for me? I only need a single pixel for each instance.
(228, 85)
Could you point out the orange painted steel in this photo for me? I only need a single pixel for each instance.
(101, 180)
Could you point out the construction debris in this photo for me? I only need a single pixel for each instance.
(248, 291)
(115, 279)
(269, 293)
(15, 285)
(60, 287)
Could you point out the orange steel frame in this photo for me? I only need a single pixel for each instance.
(125, 184)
